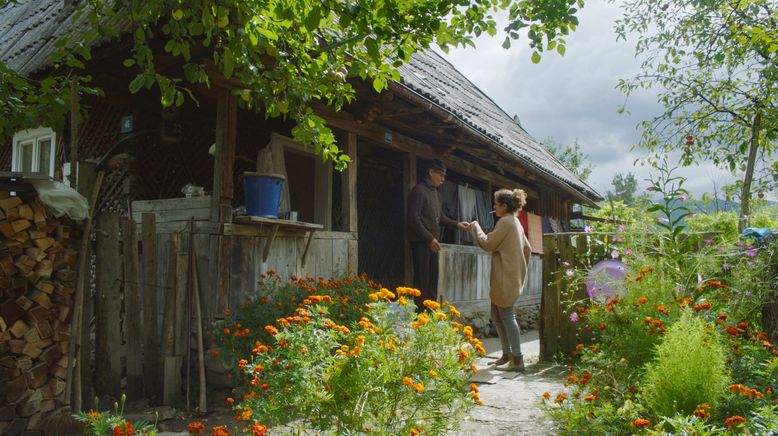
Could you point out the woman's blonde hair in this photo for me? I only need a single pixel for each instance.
(515, 199)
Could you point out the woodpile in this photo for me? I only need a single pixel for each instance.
(38, 277)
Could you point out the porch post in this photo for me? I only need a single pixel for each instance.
(349, 202)
(409, 181)
(224, 162)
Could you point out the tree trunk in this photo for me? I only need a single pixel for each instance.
(745, 197)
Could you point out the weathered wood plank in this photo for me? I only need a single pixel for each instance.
(181, 304)
(349, 186)
(224, 162)
(151, 362)
(133, 328)
(108, 371)
(182, 203)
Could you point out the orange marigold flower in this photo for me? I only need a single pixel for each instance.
(93, 414)
(734, 422)
(415, 432)
(662, 308)
(640, 423)
(462, 355)
(195, 427)
(258, 430)
(242, 363)
(601, 326)
(431, 305)
(473, 368)
(641, 300)
(433, 374)
(226, 331)
(418, 388)
(742, 325)
(579, 347)
(124, 429)
(230, 401)
(590, 398)
(265, 386)
(220, 431)
(560, 398)
(546, 395)
(407, 381)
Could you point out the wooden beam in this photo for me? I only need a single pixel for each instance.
(322, 196)
(151, 360)
(409, 181)
(397, 141)
(108, 303)
(74, 133)
(224, 162)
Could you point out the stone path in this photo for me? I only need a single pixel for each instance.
(512, 401)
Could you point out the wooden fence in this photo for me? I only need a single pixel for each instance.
(464, 278)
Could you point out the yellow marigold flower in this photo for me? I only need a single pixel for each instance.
(433, 373)
(474, 387)
(402, 301)
(440, 315)
(407, 381)
(431, 305)
(418, 388)
(373, 296)
(402, 290)
(246, 414)
(473, 368)
(480, 349)
(454, 311)
(462, 355)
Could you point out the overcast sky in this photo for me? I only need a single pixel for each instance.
(574, 97)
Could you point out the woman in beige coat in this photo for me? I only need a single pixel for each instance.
(510, 253)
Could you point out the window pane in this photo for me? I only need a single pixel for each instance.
(25, 156)
(44, 155)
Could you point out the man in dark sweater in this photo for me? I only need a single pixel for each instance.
(425, 218)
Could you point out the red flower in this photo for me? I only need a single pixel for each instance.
(124, 429)
(601, 326)
(640, 423)
(195, 427)
(734, 422)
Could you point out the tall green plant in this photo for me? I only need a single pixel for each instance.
(689, 369)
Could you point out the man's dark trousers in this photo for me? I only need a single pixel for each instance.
(425, 272)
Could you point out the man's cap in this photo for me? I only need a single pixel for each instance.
(436, 165)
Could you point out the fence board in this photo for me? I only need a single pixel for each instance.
(108, 303)
(132, 330)
(151, 361)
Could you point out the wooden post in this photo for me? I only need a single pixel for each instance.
(349, 202)
(171, 367)
(151, 360)
(108, 334)
(132, 312)
(74, 133)
(409, 181)
(549, 303)
(322, 196)
(224, 162)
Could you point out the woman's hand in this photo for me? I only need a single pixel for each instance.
(463, 225)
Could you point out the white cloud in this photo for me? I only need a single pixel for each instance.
(574, 97)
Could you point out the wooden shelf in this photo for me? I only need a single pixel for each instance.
(252, 225)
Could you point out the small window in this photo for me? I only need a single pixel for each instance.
(33, 151)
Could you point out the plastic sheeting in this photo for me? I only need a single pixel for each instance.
(61, 199)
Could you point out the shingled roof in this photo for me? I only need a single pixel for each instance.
(433, 78)
(28, 30)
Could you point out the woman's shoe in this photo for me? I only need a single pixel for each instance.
(515, 364)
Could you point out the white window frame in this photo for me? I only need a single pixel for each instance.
(34, 135)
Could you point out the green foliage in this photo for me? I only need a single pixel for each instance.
(689, 369)
(571, 157)
(714, 65)
(287, 55)
(624, 188)
(108, 423)
(390, 372)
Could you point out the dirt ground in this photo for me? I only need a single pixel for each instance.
(512, 401)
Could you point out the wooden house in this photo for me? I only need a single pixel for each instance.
(350, 221)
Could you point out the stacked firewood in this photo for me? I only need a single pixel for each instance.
(38, 261)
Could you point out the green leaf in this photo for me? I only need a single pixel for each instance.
(128, 62)
(535, 57)
(506, 44)
(378, 84)
(312, 20)
(137, 83)
(178, 14)
(560, 49)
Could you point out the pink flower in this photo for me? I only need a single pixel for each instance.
(650, 189)
(565, 264)
(660, 218)
(574, 317)
(617, 239)
(588, 229)
(620, 228)
(740, 243)
(726, 267)
(708, 241)
(627, 252)
(750, 253)
(683, 197)
(570, 273)
(615, 254)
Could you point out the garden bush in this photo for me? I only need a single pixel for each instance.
(689, 369)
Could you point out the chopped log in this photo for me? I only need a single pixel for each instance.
(17, 426)
(37, 375)
(16, 345)
(24, 363)
(8, 362)
(19, 329)
(63, 313)
(39, 213)
(44, 243)
(6, 414)
(39, 314)
(51, 355)
(60, 372)
(9, 203)
(20, 224)
(31, 350)
(47, 405)
(44, 267)
(21, 237)
(11, 311)
(24, 302)
(37, 234)
(41, 298)
(6, 229)
(32, 336)
(3, 328)
(5, 283)
(32, 277)
(28, 408)
(16, 388)
(25, 211)
(46, 286)
(44, 329)
(7, 265)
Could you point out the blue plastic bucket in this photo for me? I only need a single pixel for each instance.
(263, 193)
